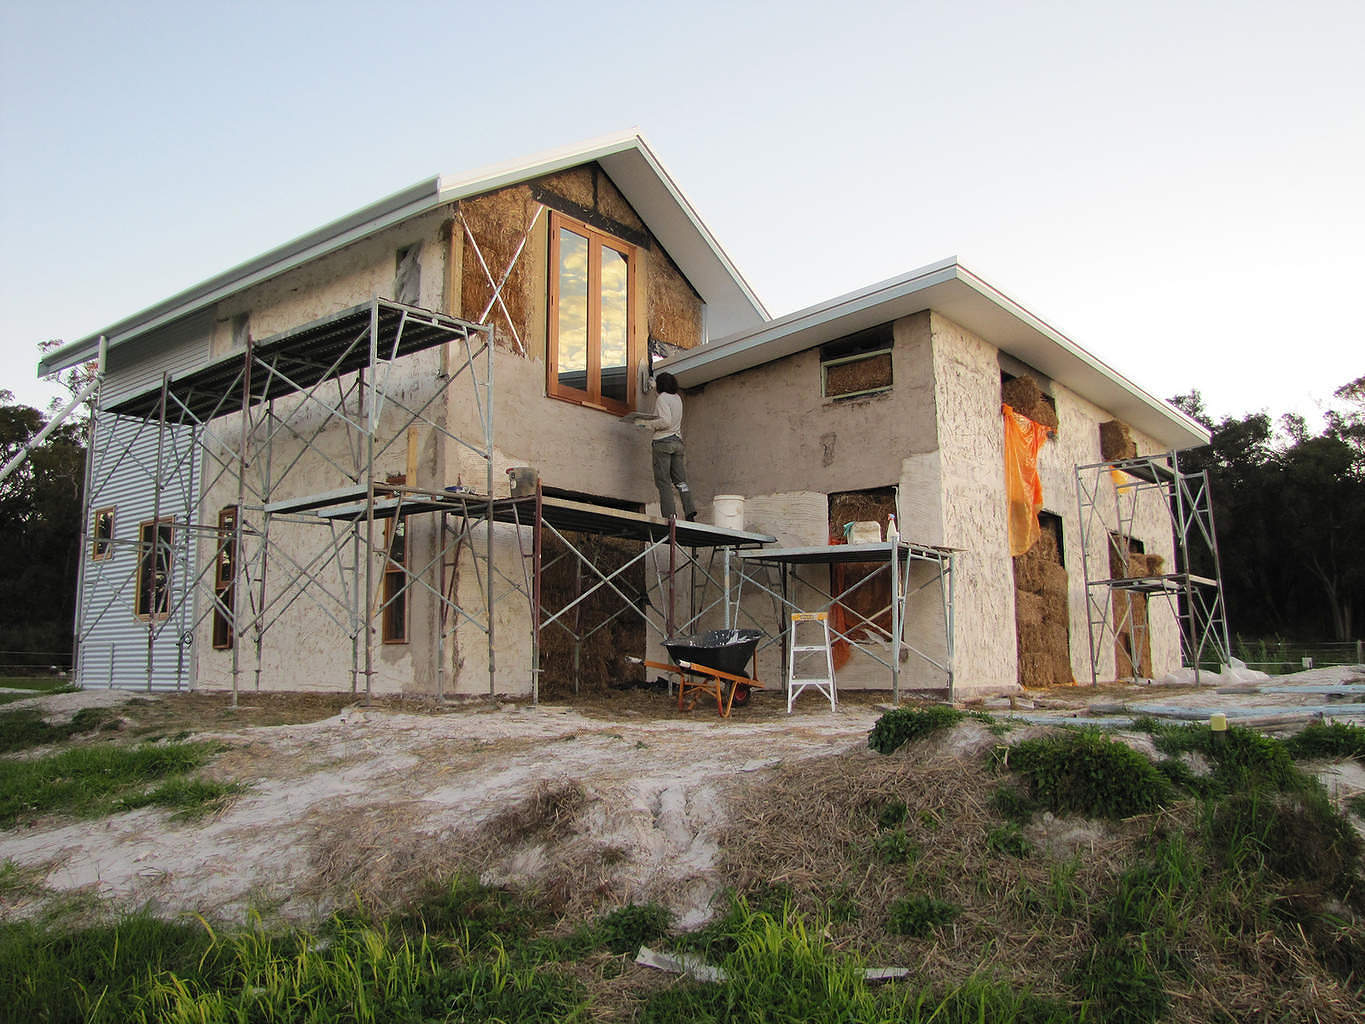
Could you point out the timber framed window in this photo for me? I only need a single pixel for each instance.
(857, 365)
(102, 534)
(155, 538)
(591, 346)
(394, 610)
(225, 578)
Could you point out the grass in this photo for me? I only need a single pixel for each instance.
(25, 728)
(92, 780)
(928, 860)
(46, 684)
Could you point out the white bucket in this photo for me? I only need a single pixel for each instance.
(727, 511)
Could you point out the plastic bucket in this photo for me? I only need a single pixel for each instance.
(523, 480)
(727, 511)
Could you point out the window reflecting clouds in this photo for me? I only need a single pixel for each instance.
(573, 310)
(615, 325)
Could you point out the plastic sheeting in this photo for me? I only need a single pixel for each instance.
(1023, 489)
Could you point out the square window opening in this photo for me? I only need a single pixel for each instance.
(857, 365)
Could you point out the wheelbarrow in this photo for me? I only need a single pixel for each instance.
(713, 663)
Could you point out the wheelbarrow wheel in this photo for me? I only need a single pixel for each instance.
(740, 696)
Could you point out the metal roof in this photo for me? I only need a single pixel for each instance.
(949, 288)
(627, 160)
(299, 358)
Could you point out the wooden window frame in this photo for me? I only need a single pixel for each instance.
(151, 614)
(592, 397)
(394, 610)
(225, 579)
(101, 546)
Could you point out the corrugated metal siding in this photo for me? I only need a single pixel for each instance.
(175, 349)
(113, 642)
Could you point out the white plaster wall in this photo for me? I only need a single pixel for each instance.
(307, 645)
(972, 460)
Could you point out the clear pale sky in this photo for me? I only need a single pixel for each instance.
(1178, 187)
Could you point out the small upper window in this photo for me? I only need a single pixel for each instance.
(102, 535)
(592, 313)
(407, 275)
(857, 365)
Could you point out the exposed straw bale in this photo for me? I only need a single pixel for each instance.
(1116, 441)
(1028, 609)
(1023, 395)
(1055, 581)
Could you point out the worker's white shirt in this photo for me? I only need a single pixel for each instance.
(667, 420)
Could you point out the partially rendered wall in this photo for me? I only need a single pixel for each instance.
(450, 260)
(770, 435)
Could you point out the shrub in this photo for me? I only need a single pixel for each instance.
(625, 930)
(1009, 840)
(1085, 772)
(1013, 804)
(919, 915)
(892, 814)
(1242, 757)
(897, 727)
(895, 847)
(1321, 741)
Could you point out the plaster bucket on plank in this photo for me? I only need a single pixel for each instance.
(727, 511)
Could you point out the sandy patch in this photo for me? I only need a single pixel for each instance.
(374, 801)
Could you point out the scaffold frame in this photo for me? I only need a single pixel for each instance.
(1109, 496)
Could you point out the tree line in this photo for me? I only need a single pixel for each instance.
(1289, 508)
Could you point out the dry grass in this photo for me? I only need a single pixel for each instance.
(812, 831)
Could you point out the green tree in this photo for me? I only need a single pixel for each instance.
(1290, 510)
(40, 511)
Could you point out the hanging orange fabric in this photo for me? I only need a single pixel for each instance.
(1023, 489)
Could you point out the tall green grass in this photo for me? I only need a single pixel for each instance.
(781, 969)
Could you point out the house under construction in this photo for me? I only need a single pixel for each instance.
(393, 455)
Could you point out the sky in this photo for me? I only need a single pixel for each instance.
(1177, 187)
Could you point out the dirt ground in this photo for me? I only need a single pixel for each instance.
(615, 799)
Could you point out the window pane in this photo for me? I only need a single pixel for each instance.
(615, 306)
(573, 310)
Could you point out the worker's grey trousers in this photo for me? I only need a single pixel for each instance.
(670, 471)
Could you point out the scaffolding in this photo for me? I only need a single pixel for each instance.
(770, 571)
(330, 396)
(1109, 497)
(319, 392)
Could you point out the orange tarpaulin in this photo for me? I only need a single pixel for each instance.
(1024, 491)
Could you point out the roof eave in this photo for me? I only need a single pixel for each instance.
(963, 296)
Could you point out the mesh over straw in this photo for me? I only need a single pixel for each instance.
(812, 830)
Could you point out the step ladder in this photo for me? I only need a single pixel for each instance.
(823, 683)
